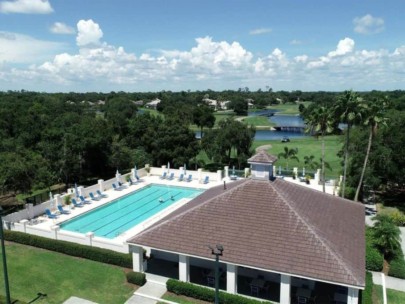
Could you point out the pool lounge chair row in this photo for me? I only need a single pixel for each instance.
(180, 179)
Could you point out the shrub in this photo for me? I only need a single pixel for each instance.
(398, 218)
(137, 278)
(397, 268)
(367, 293)
(77, 250)
(206, 294)
(374, 259)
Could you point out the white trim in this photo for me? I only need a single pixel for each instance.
(252, 267)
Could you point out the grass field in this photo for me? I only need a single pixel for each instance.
(308, 146)
(258, 121)
(393, 296)
(32, 270)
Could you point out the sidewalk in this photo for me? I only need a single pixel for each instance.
(390, 282)
(151, 292)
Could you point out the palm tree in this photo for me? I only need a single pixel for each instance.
(289, 154)
(310, 162)
(373, 115)
(347, 109)
(321, 121)
(386, 235)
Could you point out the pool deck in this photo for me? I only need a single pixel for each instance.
(44, 222)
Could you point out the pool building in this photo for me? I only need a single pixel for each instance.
(282, 242)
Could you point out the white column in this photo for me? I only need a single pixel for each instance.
(199, 174)
(89, 238)
(353, 296)
(118, 176)
(285, 289)
(101, 185)
(24, 224)
(55, 230)
(226, 169)
(133, 175)
(295, 171)
(231, 278)
(247, 172)
(184, 268)
(219, 175)
(80, 190)
(137, 258)
(58, 200)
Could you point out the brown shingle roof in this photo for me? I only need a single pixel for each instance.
(274, 225)
(262, 157)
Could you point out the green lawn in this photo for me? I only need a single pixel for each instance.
(32, 270)
(308, 146)
(288, 109)
(393, 296)
(258, 121)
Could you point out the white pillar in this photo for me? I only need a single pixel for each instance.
(231, 278)
(247, 170)
(226, 169)
(199, 175)
(133, 175)
(295, 171)
(353, 296)
(118, 177)
(219, 175)
(137, 258)
(285, 289)
(89, 238)
(80, 190)
(24, 224)
(274, 170)
(101, 185)
(184, 268)
(55, 230)
(58, 199)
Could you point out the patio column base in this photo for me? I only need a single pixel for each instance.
(285, 289)
(137, 258)
(352, 296)
(231, 278)
(184, 268)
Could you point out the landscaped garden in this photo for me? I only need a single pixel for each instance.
(32, 270)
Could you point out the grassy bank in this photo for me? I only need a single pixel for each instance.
(308, 146)
(32, 270)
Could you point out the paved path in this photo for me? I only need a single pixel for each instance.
(151, 292)
(390, 282)
(265, 147)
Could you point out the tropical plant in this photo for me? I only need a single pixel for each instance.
(289, 154)
(387, 236)
(347, 109)
(310, 162)
(373, 115)
(321, 120)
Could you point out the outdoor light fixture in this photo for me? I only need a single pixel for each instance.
(218, 251)
(3, 250)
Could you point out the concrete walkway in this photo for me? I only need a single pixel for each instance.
(151, 292)
(390, 282)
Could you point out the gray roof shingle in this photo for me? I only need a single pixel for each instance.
(262, 157)
(274, 225)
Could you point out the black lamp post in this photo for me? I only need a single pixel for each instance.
(217, 252)
(3, 250)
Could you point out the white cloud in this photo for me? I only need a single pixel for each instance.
(368, 24)
(61, 28)
(260, 31)
(17, 48)
(89, 33)
(208, 64)
(295, 42)
(26, 7)
(344, 46)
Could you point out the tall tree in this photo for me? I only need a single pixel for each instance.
(387, 235)
(203, 116)
(321, 121)
(348, 110)
(289, 154)
(373, 114)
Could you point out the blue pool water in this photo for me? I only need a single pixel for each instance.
(114, 218)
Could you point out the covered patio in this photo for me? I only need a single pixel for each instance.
(282, 242)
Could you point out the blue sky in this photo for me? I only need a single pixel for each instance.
(154, 45)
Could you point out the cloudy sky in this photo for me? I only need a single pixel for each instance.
(154, 45)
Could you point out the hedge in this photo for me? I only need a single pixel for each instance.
(206, 294)
(374, 259)
(397, 268)
(72, 249)
(367, 293)
(137, 278)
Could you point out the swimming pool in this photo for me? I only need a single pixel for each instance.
(120, 215)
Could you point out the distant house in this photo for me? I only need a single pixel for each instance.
(138, 103)
(250, 103)
(215, 104)
(282, 242)
(153, 104)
